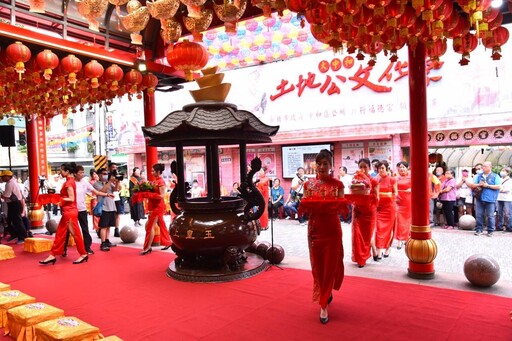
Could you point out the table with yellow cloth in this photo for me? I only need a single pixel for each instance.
(10, 299)
(37, 245)
(68, 329)
(21, 320)
(4, 287)
(6, 252)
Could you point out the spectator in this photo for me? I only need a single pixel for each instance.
(298, 186)
(347, 182)
(465, 200)
(195, 191)
(505, 202)
(489, 184)
(117, 197)
(276, 199)
(15, 204)
(107, 184)
(375, 168)
(234, 191)
(448, 198)
(136, 209)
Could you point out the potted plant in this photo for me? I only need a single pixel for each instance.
(72, 148)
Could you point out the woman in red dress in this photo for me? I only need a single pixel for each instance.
(403, 202)
(263, 187)
(156, 208)
(69, 220)
(386, 209)
(324, 231)
(363, 214)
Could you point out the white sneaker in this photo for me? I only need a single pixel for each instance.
(287, 217)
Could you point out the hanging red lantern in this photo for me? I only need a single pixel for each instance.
(18, 54)
(133, 79)
(47, 60)
(93, 70)
(113, 74)
(149, 82)
(187, 56)
(435, 50)
(299, 7)
(71, 65)
(465, 45)
(498, 38)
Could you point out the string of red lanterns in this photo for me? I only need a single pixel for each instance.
(370, 26)
(65, 85)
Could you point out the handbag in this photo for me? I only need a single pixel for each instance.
(477, 192)
(98, 209)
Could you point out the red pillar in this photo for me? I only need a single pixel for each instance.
(421, 249)
(149, 121)
(36, 213)
(32, 157)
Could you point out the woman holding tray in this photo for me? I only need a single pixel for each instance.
(364, 193)
(323, 202)
(156, 207)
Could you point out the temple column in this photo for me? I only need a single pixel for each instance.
(421, 249)
(149, 121)
(35, 211)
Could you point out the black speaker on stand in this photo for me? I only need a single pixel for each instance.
(7, 139)
(272, 260)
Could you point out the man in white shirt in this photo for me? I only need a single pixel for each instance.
(298, 186)
(83, 188)
(15, 203)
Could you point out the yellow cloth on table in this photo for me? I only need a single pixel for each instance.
(112, 338)
(10, 299)
(6, 252)
(4, 287)
(21, 320)
(68, 329)
(37, 245)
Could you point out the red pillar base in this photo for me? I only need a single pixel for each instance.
(421, 271)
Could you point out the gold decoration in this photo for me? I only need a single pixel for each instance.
(37, 6)
(193, 7)
(422, 251)
(92, 9)
(230, 13)
(163, 9)
(196, 26)
(170, 30)
(211, 87)
(136, 20)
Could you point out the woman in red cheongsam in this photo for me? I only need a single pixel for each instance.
(324, 232)
(263, 187)
(69, 220)
(386, 209)
(363, 214)
(156, 208)
(403, 201)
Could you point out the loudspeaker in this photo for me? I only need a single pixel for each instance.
(7, 136)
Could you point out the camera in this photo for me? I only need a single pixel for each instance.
(119, 176)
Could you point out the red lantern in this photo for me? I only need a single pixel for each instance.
(47, 60)
(93, 70)
(499, 37)
(18, 54)
(149, 82)
(71, 65)
(436, 49)
(187, 56)
(133, 79)
(465, 45)
(113, 74)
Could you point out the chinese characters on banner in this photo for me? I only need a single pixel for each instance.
(351, 153)
(41, 146)
(381, 150)
(301, 156)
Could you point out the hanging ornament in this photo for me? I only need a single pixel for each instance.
(113, 74)
(37, 6)
(136, 20)
(93, 70)
(18, 54)
(149, 83)
(163, 9)
(170, 31)
(193, 7)
(71, 65)
(47, 60)
(187, 56)
(91, 10)
(198, 25)
(133, 79)
(230, 12)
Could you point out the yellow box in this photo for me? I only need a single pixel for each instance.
(21, 320)
(37, 245)
(4, 287)
(66, 329)
(6, 252)
(10, 299)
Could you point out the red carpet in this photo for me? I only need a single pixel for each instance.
(130, 296)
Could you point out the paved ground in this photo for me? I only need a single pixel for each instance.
(454, 247)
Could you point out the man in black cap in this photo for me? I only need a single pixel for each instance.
(14, 198)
